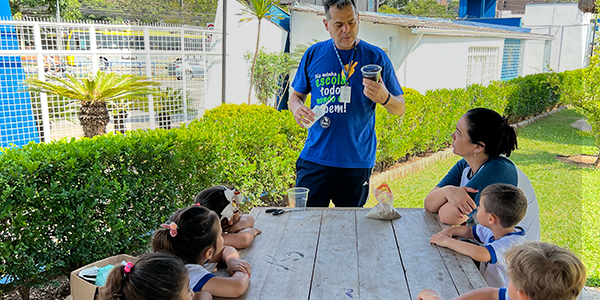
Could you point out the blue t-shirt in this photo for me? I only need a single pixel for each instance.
(345, 136)
(498, 169)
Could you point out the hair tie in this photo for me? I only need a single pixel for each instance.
(127, 268)
(172, 228)
(198, 204)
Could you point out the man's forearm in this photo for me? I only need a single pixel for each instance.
(396, 105)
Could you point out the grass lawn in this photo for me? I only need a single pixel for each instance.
(568, 196)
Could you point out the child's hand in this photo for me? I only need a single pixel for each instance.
(238, 265)
(256, 231)
(447, 232)
(428, 294)
(239, 223)
(439, 239)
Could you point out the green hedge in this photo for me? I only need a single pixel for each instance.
(67, 203)
(430, 119)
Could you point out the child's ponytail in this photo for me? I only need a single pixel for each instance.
(155, 276)
(188, 233)
(115, 284)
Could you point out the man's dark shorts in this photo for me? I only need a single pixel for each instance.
(346, 187)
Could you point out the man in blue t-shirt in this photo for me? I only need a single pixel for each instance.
(339, 152)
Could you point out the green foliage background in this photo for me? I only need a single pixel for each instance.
(69, 202)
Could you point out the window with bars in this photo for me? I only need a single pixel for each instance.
(512, 59)
(482, 65)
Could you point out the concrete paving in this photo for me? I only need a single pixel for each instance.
(589, 293)
(582, 125)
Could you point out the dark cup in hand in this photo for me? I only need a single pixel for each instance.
(372, 72)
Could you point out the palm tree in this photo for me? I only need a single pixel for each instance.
(94, 94)
(257, 9)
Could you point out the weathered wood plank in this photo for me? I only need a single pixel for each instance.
(424, 266)
(336, 268)
(465, 264)
(273, 228)
(380, 270)
(293, 262)
(461, 267)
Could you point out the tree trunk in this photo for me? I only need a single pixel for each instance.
(93, 116)
(254, 62)
(24, 292)
(598, 161)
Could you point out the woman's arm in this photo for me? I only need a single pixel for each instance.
(435, 199)
(457, 196)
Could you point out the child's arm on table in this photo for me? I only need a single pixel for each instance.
(241, 239)
(228, 287)
(202, 295)
(487, 293)
(232, 258)
(245, 221)
(237, 284)
(443, 239)
(464, 232)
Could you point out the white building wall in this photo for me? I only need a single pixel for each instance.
(571, 28)
(441, 62)
(241, 38)
(533, 58)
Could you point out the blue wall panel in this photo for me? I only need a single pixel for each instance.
(17, 124)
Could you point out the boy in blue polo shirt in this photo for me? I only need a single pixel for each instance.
(501, 208)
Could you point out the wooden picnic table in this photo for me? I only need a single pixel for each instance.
(338, 253)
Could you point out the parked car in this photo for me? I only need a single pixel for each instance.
(190, 68)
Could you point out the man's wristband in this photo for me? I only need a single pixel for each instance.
(387, 100)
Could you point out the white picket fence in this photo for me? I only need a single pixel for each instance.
(182, 59)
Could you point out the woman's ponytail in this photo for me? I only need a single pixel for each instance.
(508, 140)
(490, 128)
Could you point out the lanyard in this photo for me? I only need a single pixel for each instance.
(342, 63)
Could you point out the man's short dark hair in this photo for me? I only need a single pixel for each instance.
(507, 202)
(338, 3)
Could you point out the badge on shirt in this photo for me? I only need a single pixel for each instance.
(345, 94)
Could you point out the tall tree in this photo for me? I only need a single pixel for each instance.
(257, 9)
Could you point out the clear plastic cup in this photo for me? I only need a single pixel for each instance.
(297, 198)
(372, 72)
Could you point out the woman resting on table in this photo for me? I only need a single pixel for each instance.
(238, 229)
(485, 140)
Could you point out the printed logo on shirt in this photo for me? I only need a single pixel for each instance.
(325, 122)
(329, 88)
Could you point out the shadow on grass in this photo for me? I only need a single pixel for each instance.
(544, 159)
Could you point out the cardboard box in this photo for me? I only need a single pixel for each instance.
(83, 290)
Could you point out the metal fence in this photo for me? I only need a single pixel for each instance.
(182, 59)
